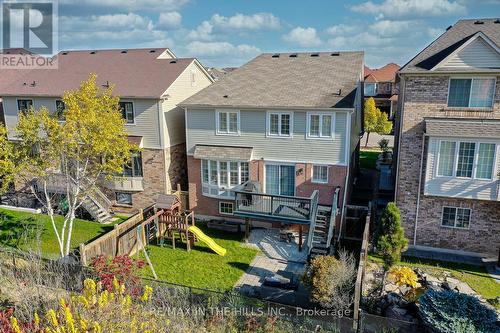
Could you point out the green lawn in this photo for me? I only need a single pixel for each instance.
(475, 276)
(22, 230)
(201, 267)
(368, 159)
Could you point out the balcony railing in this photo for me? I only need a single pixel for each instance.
(280, 208)
(126, 184)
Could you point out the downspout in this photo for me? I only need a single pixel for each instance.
(161, 128)
(419, 188)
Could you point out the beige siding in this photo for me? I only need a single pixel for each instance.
(182, 88)
(146, 117)
(201, 130)
(458, 187)
(477, 54)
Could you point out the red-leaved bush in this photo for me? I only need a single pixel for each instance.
(123, 268)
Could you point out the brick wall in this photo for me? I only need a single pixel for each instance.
(426, 96)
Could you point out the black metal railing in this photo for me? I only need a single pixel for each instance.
(297, 209)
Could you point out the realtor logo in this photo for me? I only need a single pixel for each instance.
(30, 25)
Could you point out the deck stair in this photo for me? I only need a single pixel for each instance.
(320, 242)
(96, 209)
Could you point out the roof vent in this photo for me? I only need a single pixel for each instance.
(314, 54)
(173, 61)
(338, 92)
(124, 51)
(479, 22)
(497, 21)
(93, 52)
(335, 54)
(64, 53)
(152, 51)
(293, 55)
(33, 83)
(276, 55)
(449, 27)
(225, 96)
(106, 85)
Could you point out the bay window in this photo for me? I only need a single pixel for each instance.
(466, 159)
(219, 177)
(471, 92)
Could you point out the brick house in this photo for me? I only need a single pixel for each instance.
(150, 84)
(289, 124)
(380, 83)
(447, 175)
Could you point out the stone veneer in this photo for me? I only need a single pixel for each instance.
(208, 206)
(426, 96)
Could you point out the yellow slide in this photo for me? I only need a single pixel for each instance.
(207, 240)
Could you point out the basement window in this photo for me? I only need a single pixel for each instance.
(124, 198)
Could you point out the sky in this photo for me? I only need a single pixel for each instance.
(226, 33)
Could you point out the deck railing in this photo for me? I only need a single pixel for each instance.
(271, 206)
(312, 223)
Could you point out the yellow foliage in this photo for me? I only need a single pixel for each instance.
(403, 276)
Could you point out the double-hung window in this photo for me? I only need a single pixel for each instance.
(370, 89)
(465, 159)
(456, 217)
(127, 109)
(320, 174)
(279, 124)
(471, 92)
(24, 105)
(219, 177)
(320, 125)
(228, 122)
(134, 167)
(60, 107)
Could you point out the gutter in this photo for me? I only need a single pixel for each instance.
(419, 188)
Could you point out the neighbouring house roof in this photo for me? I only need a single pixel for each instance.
(386, 73)
(135, 73)
(308, 80)
(223, 152)
(460, 127)
(17, 50)
(451, 40)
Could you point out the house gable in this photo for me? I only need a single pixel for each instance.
(477, 52)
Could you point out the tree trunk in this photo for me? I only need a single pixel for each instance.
(367, 136)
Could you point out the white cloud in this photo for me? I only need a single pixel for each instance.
(305, 37)
(169, 20)
(202, 32)
(259, 21)
(220, 48)
(104, 22)
(146, 5)
(392, 28)
(340, 29)
(410, 8)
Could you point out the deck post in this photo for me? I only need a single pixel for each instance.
(247, 229)
(300, 237)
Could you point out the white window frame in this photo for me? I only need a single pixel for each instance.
(474, 162)
(455, 222)
(133, 112)
(470, 92)
(315, 181)
(226, 203)
(374, 90)
(223, 190)
(24, 99)
(268, 124)
(227, 132)
(321, 136)
(124, 204)
(55, 103)
(280, 164)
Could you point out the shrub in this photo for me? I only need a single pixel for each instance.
(384, 145)
(123, 268)
(403, 276)
(390, 238)
(331, 280)
(451, 312)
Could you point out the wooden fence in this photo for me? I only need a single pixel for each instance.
(363, 256)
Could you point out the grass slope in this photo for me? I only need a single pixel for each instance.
(476, 277)
(201, 267)
(22, 229)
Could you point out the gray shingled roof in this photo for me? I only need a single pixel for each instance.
(467, 128)
(450, 40)
(223, 152)
(309, 80)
